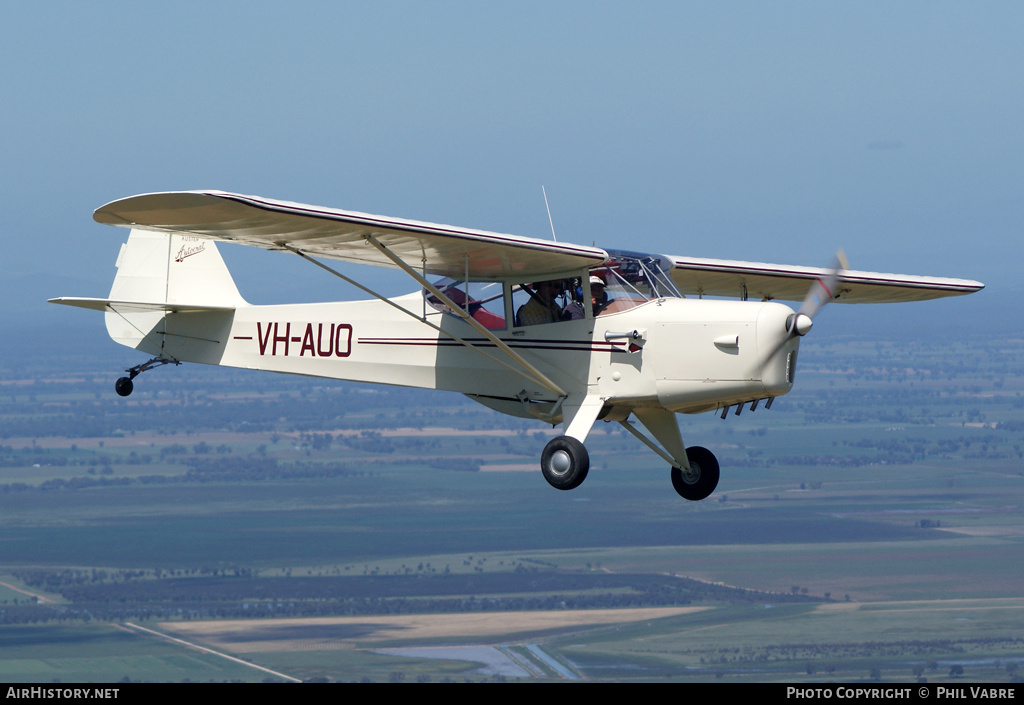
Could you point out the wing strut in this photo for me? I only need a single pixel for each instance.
(532, 374)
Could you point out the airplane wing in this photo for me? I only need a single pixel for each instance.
(759, 280)
(341, 235)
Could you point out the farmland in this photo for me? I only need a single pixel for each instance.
(867, 526)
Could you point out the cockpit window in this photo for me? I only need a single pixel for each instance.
(625, 280)
(548, 301)
(629, 279)
(486, 300)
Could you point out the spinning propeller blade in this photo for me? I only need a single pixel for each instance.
(821, 292)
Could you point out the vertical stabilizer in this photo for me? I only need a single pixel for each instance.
(164, 269)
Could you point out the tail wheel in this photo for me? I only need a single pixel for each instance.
(123, 386)
(565, 463)
(701, 479)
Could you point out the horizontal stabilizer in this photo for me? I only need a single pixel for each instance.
(133, 306)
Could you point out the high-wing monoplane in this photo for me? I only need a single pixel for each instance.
(561, 333)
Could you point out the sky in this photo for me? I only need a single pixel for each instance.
(759, 131)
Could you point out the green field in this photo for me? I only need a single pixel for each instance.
(868, 525)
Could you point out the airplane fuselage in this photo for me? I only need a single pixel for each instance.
(683, 355)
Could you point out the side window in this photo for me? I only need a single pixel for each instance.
(486, 301)
(550, 301)
(614, 288)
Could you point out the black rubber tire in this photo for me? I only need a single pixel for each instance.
(703, 478)
(123, 386)
(565, 463)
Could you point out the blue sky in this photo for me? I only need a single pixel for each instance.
(745, 130)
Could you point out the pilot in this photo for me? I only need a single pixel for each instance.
(542, 307)
(598, 295)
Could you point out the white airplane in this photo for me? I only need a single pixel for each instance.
(563, 333)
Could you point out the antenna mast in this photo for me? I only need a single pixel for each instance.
(549, 213)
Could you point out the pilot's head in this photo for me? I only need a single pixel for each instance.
(550, 289)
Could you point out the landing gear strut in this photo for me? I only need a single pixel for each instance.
(701, 479)
(565, 463)
(124, 386)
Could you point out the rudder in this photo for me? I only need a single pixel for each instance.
(164, 268)
(159, 272)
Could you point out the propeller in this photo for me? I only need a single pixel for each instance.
(822, 291)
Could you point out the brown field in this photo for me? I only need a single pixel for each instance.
(336, 633)
(138, 440)
(510, 467)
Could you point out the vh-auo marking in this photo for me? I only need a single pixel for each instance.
(274, 338)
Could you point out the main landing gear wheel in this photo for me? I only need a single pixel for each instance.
(124, 386)
(565, 463)
(702, 478)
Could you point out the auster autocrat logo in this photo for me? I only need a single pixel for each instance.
(323, 340)
(189, 246)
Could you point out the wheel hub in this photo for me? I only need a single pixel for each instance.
(691, 476)
(560, 462)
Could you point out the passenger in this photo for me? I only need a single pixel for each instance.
(542, 307)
